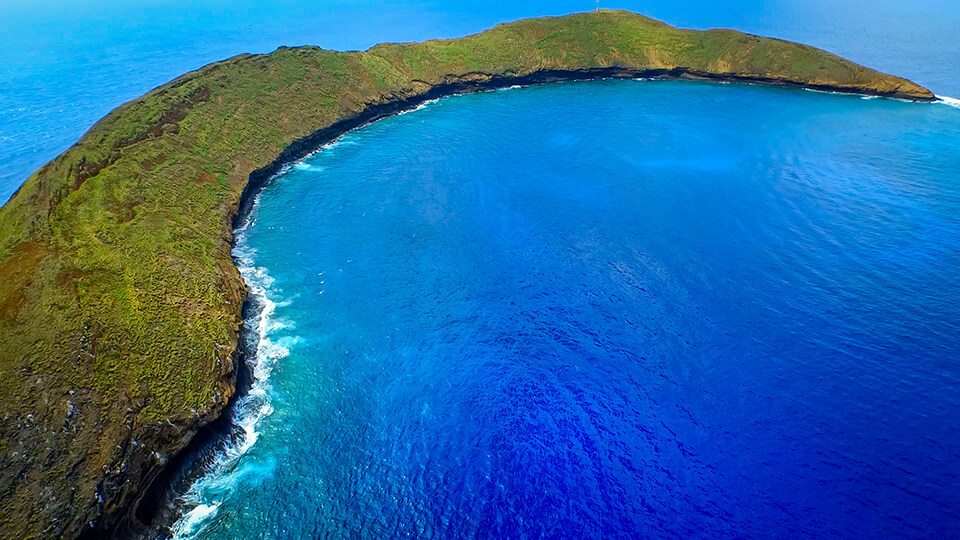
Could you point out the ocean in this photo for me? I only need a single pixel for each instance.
(609, 309)
(64, 64)
(606, 310)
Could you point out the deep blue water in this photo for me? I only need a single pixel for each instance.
(607, 310)
(66, 63)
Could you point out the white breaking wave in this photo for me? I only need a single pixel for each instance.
(303, 165)
(953, 102)
(193, 521)
(823, 91)
(222, 476)
(420, 107)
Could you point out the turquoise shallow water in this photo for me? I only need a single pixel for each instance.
(609, 309)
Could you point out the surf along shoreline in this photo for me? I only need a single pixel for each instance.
(158, 508)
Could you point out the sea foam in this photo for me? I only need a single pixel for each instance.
(953, 102)
(224, 473)
(420, 107)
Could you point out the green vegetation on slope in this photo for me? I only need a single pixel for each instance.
(119, 302)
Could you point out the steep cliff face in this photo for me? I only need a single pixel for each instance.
(120, 304)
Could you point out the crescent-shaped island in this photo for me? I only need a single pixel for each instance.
(120, 304)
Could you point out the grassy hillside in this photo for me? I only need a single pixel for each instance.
(119, 302)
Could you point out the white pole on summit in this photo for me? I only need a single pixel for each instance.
(598, 5)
